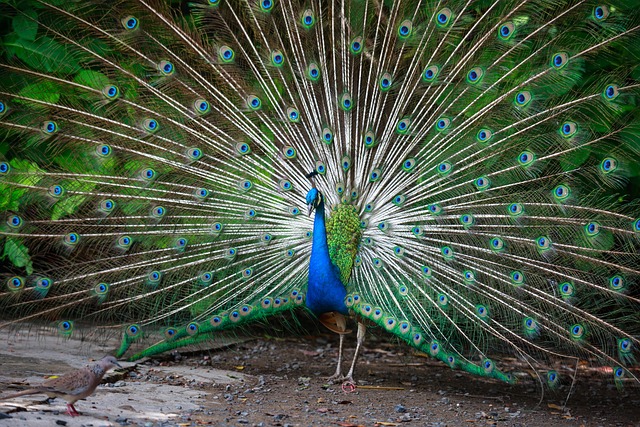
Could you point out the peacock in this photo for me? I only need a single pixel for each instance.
(462, 174)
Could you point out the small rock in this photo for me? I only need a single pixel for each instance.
(405, 418)
(400, 409)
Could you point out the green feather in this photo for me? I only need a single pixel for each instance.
(343, 238)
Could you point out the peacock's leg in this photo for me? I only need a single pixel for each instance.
(337, 323)
(362, 331)
(338, 375)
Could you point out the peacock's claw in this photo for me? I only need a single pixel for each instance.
(335, 378)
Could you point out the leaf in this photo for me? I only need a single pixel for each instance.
(4, 147)
(25, 24)
(98, 46)
(10, 197)
(574, 159)
(18, 254)
(44, 54)
(45, 90)
(33, 175)
(68, 205)
(91, 79)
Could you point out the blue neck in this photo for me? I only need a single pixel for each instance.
(325, 292)
(320, 248)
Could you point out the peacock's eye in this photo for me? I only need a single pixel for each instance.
(308, 19)
(277, 58)
(522, 99)
(254, 102)
(313, 72)
(130, 22)
(356, 45)
(442, 124)
(385, 82)
(369, 139)
(293, 114)
(226, 54)
(404, 29)
(444, 17)
(559, 60)
(166, 68)
(430, 73)
(346, 103)
(601, 12)
(475, 75)
(506, 31)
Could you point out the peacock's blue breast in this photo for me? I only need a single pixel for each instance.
(325, 292)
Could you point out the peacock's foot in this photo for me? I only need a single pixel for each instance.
(335, 378)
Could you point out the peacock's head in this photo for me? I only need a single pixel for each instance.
(314, 198)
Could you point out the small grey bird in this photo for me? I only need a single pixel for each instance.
(73, 386)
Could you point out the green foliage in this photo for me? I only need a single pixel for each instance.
(68, 205)
(16, 252)
(25, 24)
(42, 54)
(10, 197)
(91, 78)
(45, 90)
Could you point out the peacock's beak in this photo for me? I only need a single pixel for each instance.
(310, 208)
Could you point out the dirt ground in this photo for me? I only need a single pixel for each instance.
(282, 382)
